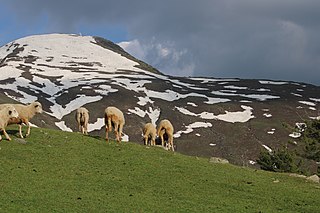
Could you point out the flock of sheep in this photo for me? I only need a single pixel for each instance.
(114, 118)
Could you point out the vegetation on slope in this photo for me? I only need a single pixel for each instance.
(55, 171)
(285, 160)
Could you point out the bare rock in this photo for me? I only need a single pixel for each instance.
(314, 178)
(218, 160)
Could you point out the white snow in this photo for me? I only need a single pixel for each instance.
(153, 114)
(267, 115)
(315, 99)
(307, 103)
(232, 117)
(63, 126)
(252, 162)
(295, 135)
(267, 148)
(259, 97)
(192, 104)
(96, 125)
(144, 101)
(234, 87)
(273, 82)
(192, 126)
(271, 132)
(295, 94)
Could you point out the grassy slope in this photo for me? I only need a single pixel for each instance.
(67, 172)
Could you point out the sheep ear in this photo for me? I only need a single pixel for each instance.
(10, 112)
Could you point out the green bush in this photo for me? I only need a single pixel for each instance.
(281, 160)
(311, 138)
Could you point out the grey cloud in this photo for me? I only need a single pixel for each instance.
(247, 39)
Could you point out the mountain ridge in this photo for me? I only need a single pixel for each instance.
(230, 118)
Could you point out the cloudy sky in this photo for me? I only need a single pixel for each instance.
(264, 39)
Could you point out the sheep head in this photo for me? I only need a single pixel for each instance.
(37, 106)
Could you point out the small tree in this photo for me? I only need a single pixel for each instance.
(311, 137)
(281, 160)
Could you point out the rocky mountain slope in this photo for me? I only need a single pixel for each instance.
(230, 118)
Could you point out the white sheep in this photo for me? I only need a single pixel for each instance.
(82, 117)
(165, 129)
(26, 112)
(114, 118)
(6, 113)
(149, 134)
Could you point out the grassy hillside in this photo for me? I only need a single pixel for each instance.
(54, 171)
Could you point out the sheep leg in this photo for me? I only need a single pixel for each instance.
(107, 130)
(29, 127)
(6, 135)
(146, 140)
(116, 131)
(0, 138)
(171, 142)
(109, 124)
(120, 131)
(161, 137)
(86, 129)
(153, 141)
(20, 130)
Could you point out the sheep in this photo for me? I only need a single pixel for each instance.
(82, 117)
(6, 113)
(165, 128)
(149, 134)
(114, 118)
(26, 112)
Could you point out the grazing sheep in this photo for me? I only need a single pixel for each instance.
(26, 112)
(82, 117)
(149, 134)
(6, 113)
(114, 118)
(165, 129)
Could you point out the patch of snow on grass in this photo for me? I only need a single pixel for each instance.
(61, 125)
(234, 87)
(96, 125)
(307, 103)
(144, 100)
(105, 90)
(252, 162)
(273, 82)
(295, 94)
(153, 114)
(192, 126)
(192, 104)
(315, 99)
(271, 132)
(295, 135)
(232, 117)
(267, 115)
(267, 148)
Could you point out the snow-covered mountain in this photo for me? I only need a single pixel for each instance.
(230, 118)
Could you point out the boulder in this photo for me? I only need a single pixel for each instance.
(314, 178)
(218, 160)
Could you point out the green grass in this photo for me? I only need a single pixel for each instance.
(66, 172)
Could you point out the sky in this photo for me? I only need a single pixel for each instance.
(250, 39)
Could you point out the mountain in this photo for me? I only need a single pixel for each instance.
(229, 118)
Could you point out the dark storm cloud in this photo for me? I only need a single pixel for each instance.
(231, 38)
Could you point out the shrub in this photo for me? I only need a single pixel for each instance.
(281, 160)
(311, 138)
